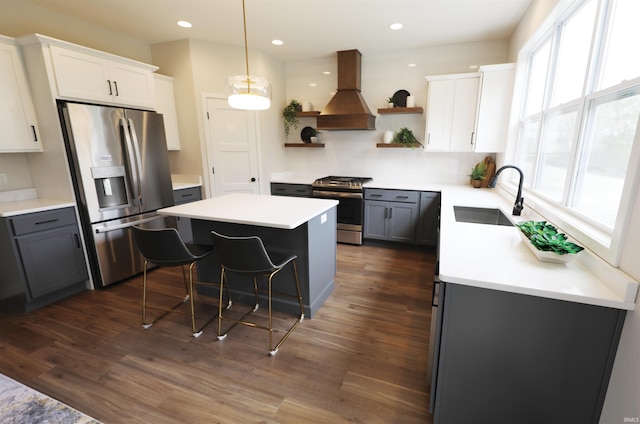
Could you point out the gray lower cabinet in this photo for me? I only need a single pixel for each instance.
(186, 195)
(44, 260)
(295, 190)
(429, 218)
(511, 358)
(390, 215)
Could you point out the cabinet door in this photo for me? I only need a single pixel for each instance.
(428, 220)
(81, 76)
(132, 86)
(402, 218)
(166, 105)
(463, 120)
(52, 259)
(375, 219)
(18, 129)
(494, 107)
(439, 112)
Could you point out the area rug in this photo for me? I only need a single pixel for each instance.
(20, 404)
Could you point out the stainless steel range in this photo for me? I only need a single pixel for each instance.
(348, 191)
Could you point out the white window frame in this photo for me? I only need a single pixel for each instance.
(603, 241)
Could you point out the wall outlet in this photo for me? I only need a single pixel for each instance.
(4, 179)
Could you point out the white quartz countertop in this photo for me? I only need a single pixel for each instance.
(21, 207)
(254, 209)
(495, 257)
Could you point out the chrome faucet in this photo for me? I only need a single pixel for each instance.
(519, 205)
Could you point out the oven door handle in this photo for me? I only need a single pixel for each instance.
(332, 194)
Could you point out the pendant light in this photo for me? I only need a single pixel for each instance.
(248, 92)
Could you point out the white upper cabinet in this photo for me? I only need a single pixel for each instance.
(18, 127)
(97, 78)
(166, 105)
(451, 112)
(494, 107)
(469, 112)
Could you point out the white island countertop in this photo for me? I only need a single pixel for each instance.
(254, 209)
(494, 257)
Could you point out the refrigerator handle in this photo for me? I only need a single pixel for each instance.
(136, 150)
(106, 228)
(133, 162)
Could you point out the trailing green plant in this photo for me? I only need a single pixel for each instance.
(289, 116)
(546, 237)
(390, 100)
(405, 136)
(478, 171)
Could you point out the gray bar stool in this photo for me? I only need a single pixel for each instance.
(248, 256)
(164, 247)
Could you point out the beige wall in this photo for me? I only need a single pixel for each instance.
(18, 18)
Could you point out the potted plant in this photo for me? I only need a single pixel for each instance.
(405, 137)
(390, 103)
(289, 116)
(477, 174)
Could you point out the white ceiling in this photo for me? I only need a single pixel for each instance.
(309, 28)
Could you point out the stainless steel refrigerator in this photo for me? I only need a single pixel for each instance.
(120, 166)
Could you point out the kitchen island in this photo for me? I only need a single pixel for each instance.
(302, 226)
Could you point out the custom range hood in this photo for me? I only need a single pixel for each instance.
(347, 109)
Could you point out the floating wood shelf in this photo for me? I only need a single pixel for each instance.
(310, 114)
(397, 145)
(312, 145)
(399, 110)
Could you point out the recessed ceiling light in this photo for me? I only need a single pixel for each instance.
(412, 65)
(277, 42)
(326, 72)
(184, 24)
(312, 84)
(473, 67)
(395, 26)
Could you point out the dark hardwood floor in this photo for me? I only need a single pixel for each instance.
(361, 359)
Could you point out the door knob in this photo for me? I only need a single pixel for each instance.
(253, 180)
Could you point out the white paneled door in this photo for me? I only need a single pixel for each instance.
(231, 149)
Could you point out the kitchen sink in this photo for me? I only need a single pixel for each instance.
(481, 215)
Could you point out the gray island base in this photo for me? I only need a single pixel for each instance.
(311, 235)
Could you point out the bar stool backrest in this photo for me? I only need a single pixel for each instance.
(242, 254)
(162, 246)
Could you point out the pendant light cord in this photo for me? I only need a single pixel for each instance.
(246, 49)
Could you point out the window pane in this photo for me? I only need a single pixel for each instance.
(607, 147)
(622, 62)
(537, 79)
(555, 153)
(573, 55)
(527, 150)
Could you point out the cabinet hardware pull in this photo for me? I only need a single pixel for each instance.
(77, 239)
(49, 221)
(115, 84)
(390, 212)
(110, 90)
(385, 212)
(428, 138)
(376, 195)
(187, 195)
(35, 136)
(402, 197)
(471, 141)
